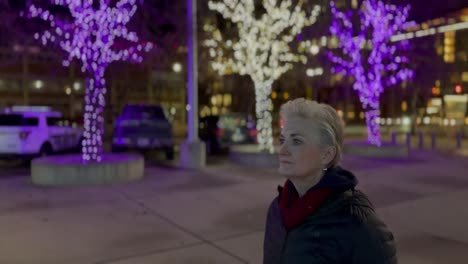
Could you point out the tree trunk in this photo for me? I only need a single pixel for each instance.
(263, 109)
(93, 117)
(373, 127)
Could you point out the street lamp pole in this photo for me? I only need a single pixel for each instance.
(192, 151)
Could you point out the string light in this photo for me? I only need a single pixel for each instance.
(261, 51)
(91, 39)
(431, 31)
(379, 68)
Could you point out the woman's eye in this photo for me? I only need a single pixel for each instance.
(297, 141)
(281, 141)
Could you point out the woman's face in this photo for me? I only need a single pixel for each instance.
(299, 154)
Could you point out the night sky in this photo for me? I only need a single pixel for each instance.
(422, 10)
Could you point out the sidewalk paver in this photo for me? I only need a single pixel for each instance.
(217, 215)
(203, 254)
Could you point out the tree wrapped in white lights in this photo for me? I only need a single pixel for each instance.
(92, 37)
(373, 69)
(261, 49)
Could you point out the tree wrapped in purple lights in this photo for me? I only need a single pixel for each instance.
(91, 38)
(381, 66)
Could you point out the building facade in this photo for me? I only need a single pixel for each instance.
(439, 57)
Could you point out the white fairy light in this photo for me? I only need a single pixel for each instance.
(261, 51)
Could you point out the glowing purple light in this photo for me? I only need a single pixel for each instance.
(90, 39)
(382, 67)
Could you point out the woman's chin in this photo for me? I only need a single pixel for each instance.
(286, 172)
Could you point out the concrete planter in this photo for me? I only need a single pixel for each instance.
(69, 170)
(387, 150)
(250, 156)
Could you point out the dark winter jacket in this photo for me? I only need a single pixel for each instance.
(344, 229)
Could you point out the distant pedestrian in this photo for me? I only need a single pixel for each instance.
(319, 216)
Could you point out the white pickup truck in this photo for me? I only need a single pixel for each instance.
(30, 131)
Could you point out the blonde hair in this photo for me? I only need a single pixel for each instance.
(326, 118)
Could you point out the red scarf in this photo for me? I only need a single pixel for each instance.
(295, 209)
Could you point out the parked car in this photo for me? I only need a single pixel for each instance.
(221, 132)
(143, 127)
(30, 131)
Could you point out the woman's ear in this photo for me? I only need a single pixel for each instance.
(328, 154)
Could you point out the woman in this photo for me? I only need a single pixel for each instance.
(319, 216)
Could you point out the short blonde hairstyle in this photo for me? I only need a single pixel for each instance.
(325, 117)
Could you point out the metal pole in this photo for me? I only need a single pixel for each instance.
(408, 140)
(459, 139)
(192, 78)
(421, 140)
(394, 138)
(192, 152)
(433, 140)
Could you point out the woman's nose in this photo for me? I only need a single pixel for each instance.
(283, 149)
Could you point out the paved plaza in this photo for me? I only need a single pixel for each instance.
(217, 215)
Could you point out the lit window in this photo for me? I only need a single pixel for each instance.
(38, 84)
(214, 110)
(404, 106)
(227, 99)
(274, 95)
(76, 86)
(449, 47)
(464, 77)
